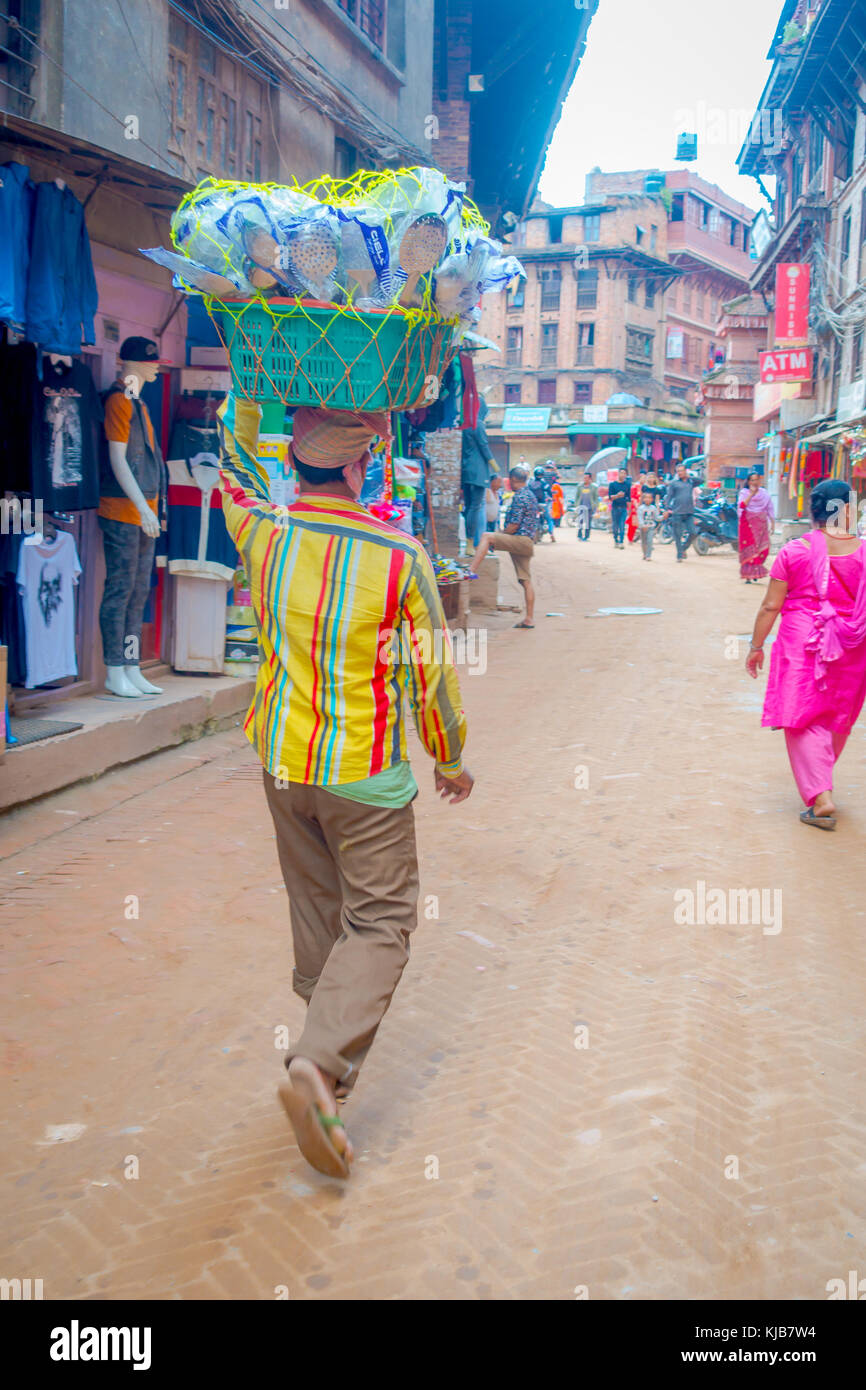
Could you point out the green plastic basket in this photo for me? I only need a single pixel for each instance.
(303, 353)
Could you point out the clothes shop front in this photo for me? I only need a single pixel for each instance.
(73, 289)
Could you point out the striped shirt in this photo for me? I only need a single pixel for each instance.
(349, 617)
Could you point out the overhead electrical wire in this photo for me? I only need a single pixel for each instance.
(370, 132)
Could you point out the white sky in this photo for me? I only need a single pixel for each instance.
(651, 70)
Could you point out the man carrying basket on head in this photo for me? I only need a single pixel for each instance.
(338, 595)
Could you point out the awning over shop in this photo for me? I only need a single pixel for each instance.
(632, 429)
(153, 188)
(601, 429)
(833, 432)
(659, 429)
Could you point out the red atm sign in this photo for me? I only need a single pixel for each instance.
(786, 364)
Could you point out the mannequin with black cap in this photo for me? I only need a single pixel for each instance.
(132, 487)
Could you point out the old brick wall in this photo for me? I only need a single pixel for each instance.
(450, 92)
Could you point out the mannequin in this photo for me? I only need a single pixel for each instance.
(132, 487)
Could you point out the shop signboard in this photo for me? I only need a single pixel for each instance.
(792, 303)
(762, 235)
(786, 364)
(526, 419)
(595, 414)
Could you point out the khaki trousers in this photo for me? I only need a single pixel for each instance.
(351, 873)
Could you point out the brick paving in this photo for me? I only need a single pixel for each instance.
(567, 1080)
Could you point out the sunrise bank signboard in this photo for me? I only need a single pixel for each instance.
(792, 304)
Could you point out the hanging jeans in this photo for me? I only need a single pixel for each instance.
(617, 522)
(683, 527)
(128, 564)
(473, 494)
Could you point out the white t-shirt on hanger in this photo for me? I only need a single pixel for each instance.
(47, 575)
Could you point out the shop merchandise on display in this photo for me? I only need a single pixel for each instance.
(197, 542)
(69, 415)
(48, 289)
(17, 191)
(48, 572)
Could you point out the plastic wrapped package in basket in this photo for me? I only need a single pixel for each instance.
(348, 294)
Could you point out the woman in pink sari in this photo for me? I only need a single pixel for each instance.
(817, 679)
(756, 525)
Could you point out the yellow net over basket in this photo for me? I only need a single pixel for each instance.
(303, 353)
(307, 352)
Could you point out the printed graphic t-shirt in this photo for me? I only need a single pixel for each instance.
(66, 458)
(47, 575)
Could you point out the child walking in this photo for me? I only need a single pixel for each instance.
(648, 517)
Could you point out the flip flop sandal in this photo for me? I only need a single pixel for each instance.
(312, 1131)
(808, 817)
(528, 625)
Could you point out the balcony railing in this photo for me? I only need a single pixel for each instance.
(584, 356)
(513, 357)
(548, 356)
(550, 299)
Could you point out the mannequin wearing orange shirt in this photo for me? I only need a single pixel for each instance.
(131, 487)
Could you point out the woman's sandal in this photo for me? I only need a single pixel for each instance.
(808, 817)
(524, 624)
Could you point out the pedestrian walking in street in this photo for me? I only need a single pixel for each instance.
(680, 507)
(540, 486)
(618, 494)
(492, 500)
(757, 519)
(476, 466)
(521, 524)
(557, 502)
(648, 517)
(654, 486)
(817, 682)
(334, 591)
(631, 529)
(586, 504)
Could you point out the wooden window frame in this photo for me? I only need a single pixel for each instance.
(212, 134)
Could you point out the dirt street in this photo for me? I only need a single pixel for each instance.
(576, 1090)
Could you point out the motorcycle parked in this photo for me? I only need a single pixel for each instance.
(715, 526)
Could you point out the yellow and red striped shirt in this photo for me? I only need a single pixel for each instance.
(340, 600)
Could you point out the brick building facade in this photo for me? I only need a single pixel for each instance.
(809, 132)
(731, 440)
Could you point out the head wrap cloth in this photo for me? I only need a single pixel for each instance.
(334, 438)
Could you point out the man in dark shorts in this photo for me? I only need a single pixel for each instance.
(521, 521)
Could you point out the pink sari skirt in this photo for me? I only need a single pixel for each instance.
(754, 544)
